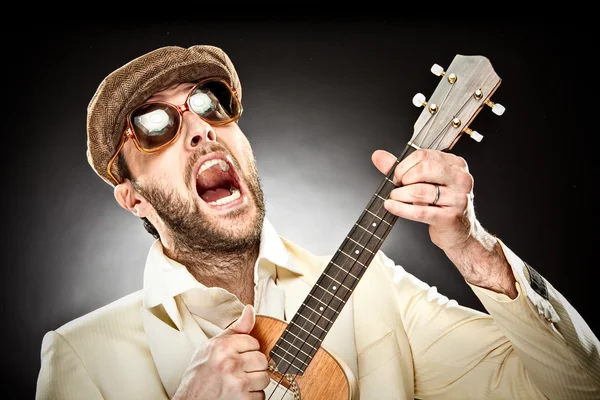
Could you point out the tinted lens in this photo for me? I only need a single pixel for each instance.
(155, 124)
(214, 102)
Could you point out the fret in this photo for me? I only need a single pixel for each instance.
(370, 226)
(308, 356)
(321, 303)
(306, 314)
(305, 335)
(329, 297)
(377, 213)
(342, 269)
(353, 257)
(379, 218)
(369, 232)
(360, 245)
(288, 363)
(386, 188)
(379, 196)
(363, 240)
(372, 216)
(334, 284)
(291, 357)
(307, 329)
(352, 249)
(309, 326)
(318, 314)
(319, 307)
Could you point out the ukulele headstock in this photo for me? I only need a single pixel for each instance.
(465, 88)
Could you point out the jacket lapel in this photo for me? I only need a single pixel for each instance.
(302, 270)
(172, 348)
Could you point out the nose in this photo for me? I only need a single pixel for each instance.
(197, 130)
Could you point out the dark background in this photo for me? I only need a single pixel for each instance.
(320, 94)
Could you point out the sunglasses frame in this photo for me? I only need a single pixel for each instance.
(130, 132)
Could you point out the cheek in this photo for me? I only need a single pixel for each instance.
(168, 167)
(246, 158)
(161, 167)
(239, 147)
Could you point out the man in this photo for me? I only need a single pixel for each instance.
(162, 130)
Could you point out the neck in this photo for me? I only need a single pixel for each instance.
(232, 271)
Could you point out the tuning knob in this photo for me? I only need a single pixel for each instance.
(474, 134)
(437, 70)
(497, 108)
(419, 100)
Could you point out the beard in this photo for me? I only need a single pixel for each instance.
(192, 230)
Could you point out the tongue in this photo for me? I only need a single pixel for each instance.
(215, 194)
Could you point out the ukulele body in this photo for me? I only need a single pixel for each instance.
(324, 378)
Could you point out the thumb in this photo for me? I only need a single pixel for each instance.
(383, 160)
(244, 323)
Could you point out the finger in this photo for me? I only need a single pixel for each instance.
(242, 343)
(258, 380)
(433, 170)
(425, 194)
(420, 213)
(234, 343)
(254, 361)
(259, 395)
(384, 161)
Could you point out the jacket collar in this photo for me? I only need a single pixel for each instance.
(165, 278)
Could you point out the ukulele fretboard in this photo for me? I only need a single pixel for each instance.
(306, 331)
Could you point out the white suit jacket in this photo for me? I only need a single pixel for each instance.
(399, 336)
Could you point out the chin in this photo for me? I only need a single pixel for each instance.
(238, 221)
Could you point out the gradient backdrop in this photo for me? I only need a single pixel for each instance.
(320, 95)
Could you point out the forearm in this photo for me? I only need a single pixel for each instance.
(482, 262)
(556, 346)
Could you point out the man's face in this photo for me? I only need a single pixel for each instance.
(205, 186)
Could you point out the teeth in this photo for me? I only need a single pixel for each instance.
(207, 164)
(235, 194)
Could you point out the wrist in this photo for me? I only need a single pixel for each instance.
(481, 261)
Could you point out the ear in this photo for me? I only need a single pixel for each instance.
(131, 200)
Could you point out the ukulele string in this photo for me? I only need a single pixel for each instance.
(336, 278)
(339, 281)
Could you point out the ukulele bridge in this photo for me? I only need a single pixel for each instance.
(282, 386)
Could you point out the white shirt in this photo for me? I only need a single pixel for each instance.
(215, 308)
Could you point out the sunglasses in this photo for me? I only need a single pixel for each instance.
(156, 125)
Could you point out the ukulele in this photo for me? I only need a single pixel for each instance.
(297, 361)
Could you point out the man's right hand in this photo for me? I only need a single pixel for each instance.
(228, 366)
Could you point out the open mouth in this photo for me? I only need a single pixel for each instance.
(217, 183)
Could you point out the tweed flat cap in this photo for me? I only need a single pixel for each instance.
(131, 84)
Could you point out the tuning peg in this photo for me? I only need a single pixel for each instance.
(497, 108)
(419, 100)
(474, 134)
(437, 70)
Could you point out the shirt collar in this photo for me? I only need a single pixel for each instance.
(165, 278)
